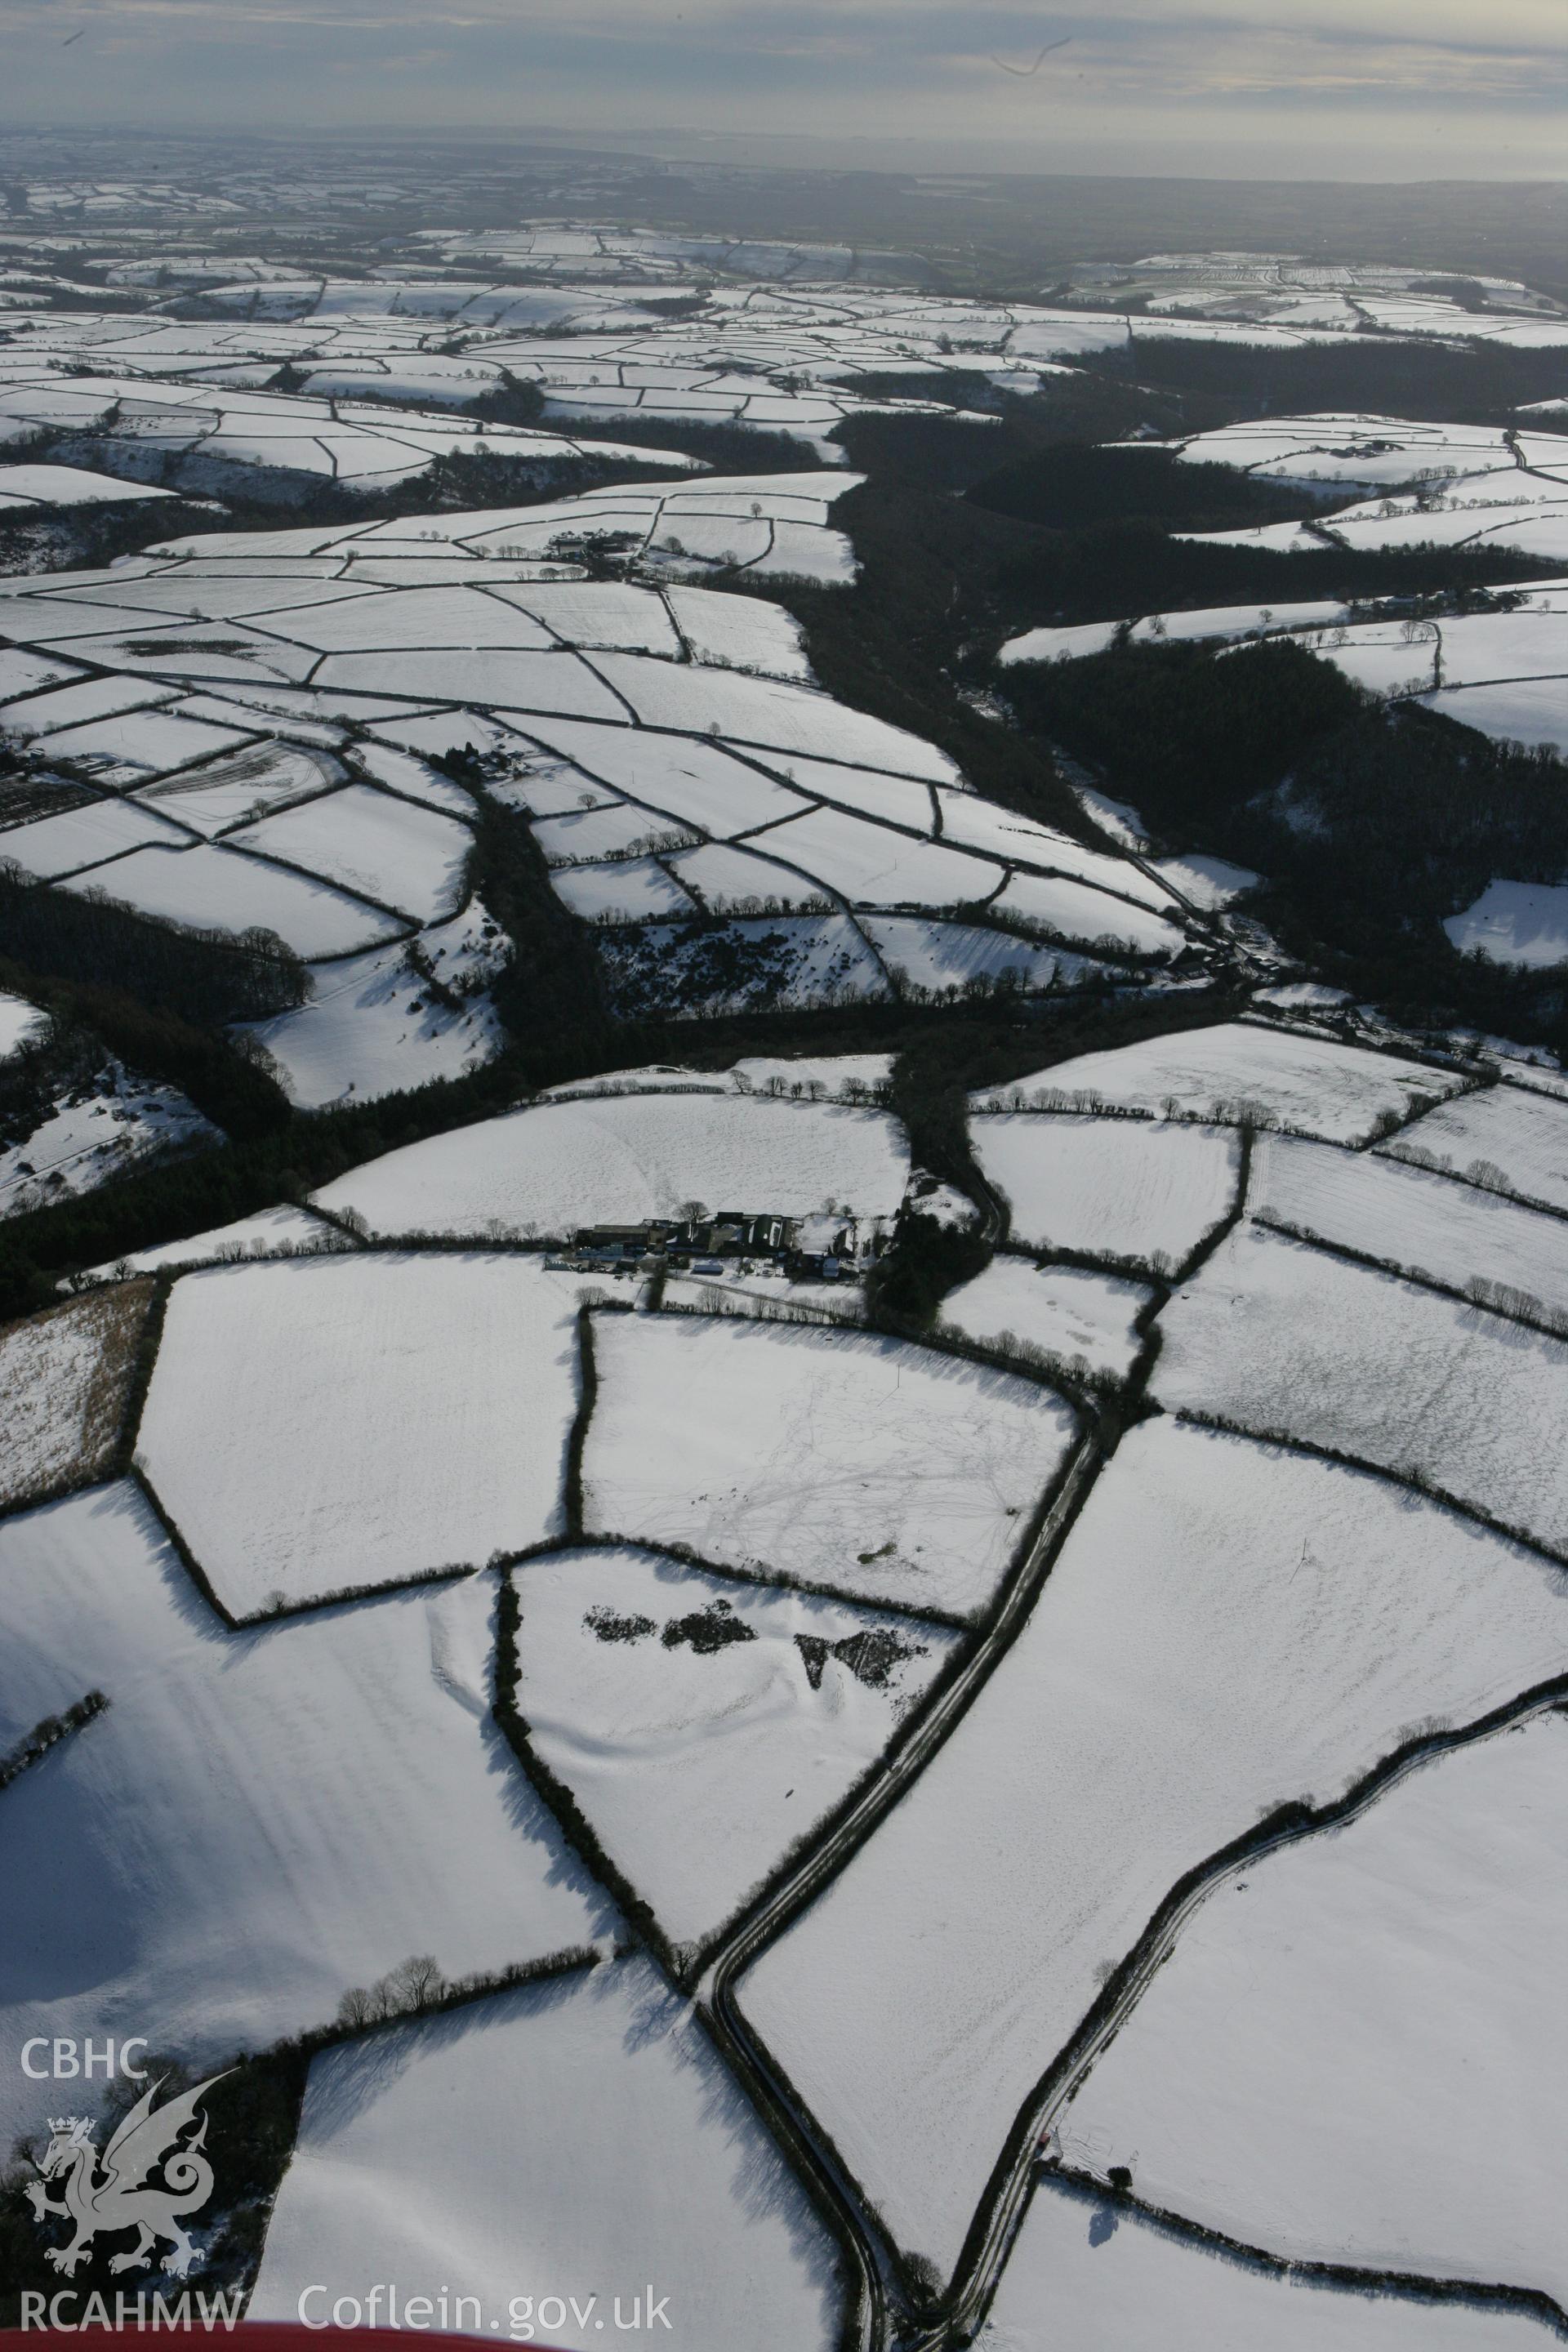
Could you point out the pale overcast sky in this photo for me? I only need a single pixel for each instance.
(1345, 89)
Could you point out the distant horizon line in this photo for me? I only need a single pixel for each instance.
(647, 144)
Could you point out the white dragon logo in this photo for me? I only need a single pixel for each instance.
(120, 2196)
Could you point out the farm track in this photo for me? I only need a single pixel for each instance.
(868, 2327)
(993, 1217)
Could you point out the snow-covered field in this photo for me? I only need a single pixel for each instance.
(739, 633)
(1363, 451)
(846, 1077)
(1506, 1137)
(73, 704)
(1502, 673)
(320, 1423)
(211, 886)
(631, 890)
(737, 1597)
(128, 747)
(1356, 2052)
(94, 1131)
(1102, 2279)
(21, 1024)
(64, 1376)
(1524, 924)
(1522, 511)
(644, 725)
(1239, 1071)
(652, 1078)
(802, 960)
(410, 859)
(622, 830)
(1227, 1630)
(577, 2141)
(1075, 642)
(1528, 711)
(1118, 1188)
(971, 823)
(727, 880)
(1281, 1337)
(373, 1026)
(270, 1232)
(946, 957)
(1088, 918)
(619, 1160)
(257, 1821)
(34, 490)
(684, 533)
(836, 1459)
(1501, 670)
(678, 777)
(1287, 288)
(705, 1725)
(1086, 1320)
(872, 866)
(212, 438)
(225, 792)
(1409, 1217)
(732, 1291)
(776, 715)
(56, 845)
(1209, 883)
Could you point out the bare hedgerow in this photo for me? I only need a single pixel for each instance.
(412, 1989)
(1072, 1371)
(1425, 1727)
(1507, 1299)
(925, 2280)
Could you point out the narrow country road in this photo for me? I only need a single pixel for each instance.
(974, 2296)
(716, 1989)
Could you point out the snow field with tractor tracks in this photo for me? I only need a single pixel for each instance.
(843, 1460)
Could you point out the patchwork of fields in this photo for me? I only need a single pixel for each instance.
(748, 1575)
(235, 732)
(890, 1665)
